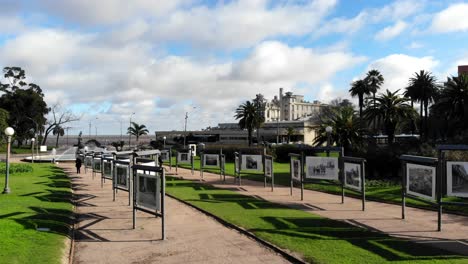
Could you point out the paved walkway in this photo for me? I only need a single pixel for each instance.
(419, 224)
(104, 232)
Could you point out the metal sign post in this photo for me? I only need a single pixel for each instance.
(357, 166)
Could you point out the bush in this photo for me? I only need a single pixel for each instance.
(16, 168)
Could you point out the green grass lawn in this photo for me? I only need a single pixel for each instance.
(318, 239)
(40, 198)
(389, 192)
(16, 150)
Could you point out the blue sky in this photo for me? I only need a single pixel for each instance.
(160, 59)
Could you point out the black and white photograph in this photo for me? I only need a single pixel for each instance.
(296, 169)
(211, 160)
(325, 168)
(97, 165)
(252, 162)
(88, 162)
(121, 176)
(165, 155)
(352, 173)
(146, 195)
(107, 169)
(457, 178)
(268, 167)
(183, 157)
(420, 180)
(236, 164)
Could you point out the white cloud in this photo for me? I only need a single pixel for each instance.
(391, 31)
(398, 68)
(452, 19)
(415, 45)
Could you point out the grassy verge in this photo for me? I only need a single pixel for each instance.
(318, 239)
(40, 198)
(389, 192)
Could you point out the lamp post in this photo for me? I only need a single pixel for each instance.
(328, 129)
(129, 134)
(185, 127)
(8, 132)
(32, 149)
(164, 142)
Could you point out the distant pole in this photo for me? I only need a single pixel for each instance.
(8, 132)
(32, 149)
(121, 135)
(89, 133)
(129, 134)
(185, 127)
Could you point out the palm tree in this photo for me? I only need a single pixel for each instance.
(360, 88)
(59, 131)
(346, 129)
(260, 104)
(137, 130)
(248, 118)
(453, 99)
(390, 109)
(374, 80)
(422, 88)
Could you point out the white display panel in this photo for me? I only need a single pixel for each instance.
(457, 178)
(421, 180)
(252, 162)
(352, 176)
(325, 168)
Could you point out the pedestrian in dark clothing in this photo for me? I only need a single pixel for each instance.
(78, 165)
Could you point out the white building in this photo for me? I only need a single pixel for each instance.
(290, 107)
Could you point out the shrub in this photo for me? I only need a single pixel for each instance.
(15, 168)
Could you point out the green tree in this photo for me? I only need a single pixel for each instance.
(248, 117)
(59, 132)
(422, 87)
(390, 109)
(24, 102)
(374, 80)
(346, 129)
(290, 132)
(260, 103)
(4, 116)
(453, 100)
(360, 88)
(137, 130)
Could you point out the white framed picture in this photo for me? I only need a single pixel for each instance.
(252, 162)
(148, 190)
(210, 160)
(107, 169)
(183, 157)
(457, 178)
(97, 164)
(165, 155)
(421, 180)
(236, 164)
(352, 175)
(296, 169)
(122, 175)
(325, 168)
(268, 167)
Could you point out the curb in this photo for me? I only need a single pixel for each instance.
(283, 253)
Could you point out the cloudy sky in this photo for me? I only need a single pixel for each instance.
(106, 59)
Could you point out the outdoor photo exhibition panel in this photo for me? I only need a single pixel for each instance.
(419, 180)
(354, 178)
(166, 156)
(268, 171)
(106, 169)
(453, 176)
(249, 162)
(308, 168)
(213, 161)
(184, 158)
(97, 164)
(149, 192)
(122, 178)
(88, 162)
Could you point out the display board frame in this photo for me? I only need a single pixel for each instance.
(189, 157)
(106, 160)
(269, 172)
(361, 165)
(238, 162)
(221, 163)
(115, 182)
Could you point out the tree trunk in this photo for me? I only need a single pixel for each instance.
(361, 103)
(373, 120)
(425, 120)
(56, 141)
(421, 120)
(250, 136)
(412, 120)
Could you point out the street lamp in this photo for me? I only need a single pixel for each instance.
(164, 142)
(8, 132)
(328, 129)
(129, 134)
(32, 149)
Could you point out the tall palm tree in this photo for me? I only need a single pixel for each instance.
(453, 99)
(248, 117)
(260, 104)
(346, 129)
(374, 80)
(360, 88)
(137, 130)
(422, 87)
(59, 132)
(411, 93)
(390, 109)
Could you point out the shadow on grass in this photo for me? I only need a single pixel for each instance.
(59, 221)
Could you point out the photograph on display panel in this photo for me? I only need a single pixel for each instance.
(325, 168)
(420, 180)
(107, 169)
(211, 160)
(296, 169)
(352, 173)
(165, 155)
(252, 162)
(122, 175)
(236, 164)
(183, 157)
(457, 178)
(88, 162)
(268, 167)
(97, 165)
(146, 195)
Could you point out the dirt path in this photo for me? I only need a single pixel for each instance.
(420, 225)
(104, 232)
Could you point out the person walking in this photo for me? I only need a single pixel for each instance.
(78, 165)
